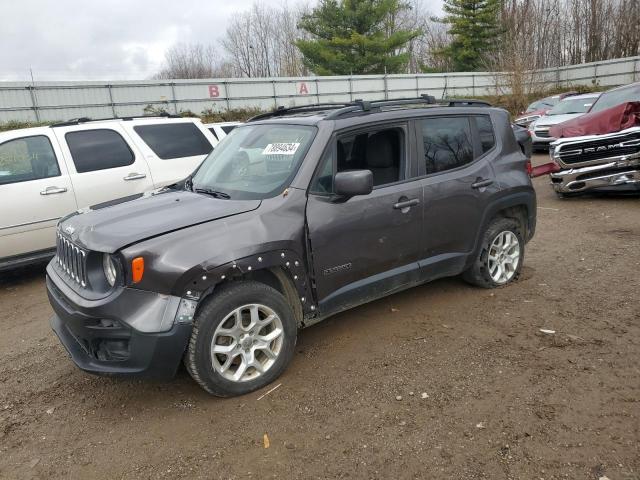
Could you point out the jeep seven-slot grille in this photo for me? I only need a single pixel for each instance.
(600, 149)
(72, 259)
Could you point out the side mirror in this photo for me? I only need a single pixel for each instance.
(353, 182)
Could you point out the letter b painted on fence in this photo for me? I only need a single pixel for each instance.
(214, 91)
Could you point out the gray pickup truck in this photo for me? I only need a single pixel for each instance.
(295, 216)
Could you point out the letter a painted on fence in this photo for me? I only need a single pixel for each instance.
(303, 90)
(214, 91)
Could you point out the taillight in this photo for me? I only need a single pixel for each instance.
(528, 167)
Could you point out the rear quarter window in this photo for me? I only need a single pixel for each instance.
(485, 132)
(174, 140)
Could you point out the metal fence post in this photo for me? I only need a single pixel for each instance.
(34, 102)
(473, 85)
(113, 107)
(227, 95)
(174, 99)
(417, 86)
(386, 88)
(350, 88)
(317, 90)
(635, 69)
(275, 97)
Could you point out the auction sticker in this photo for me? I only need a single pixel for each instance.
(281, 149)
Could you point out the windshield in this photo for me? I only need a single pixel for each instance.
(541, 104)
(254, 162)
(616, 97)
(572, 105)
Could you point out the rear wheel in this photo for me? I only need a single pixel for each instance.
(501, 255)
(243, 338)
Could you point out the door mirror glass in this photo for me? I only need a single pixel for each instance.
(353, 182)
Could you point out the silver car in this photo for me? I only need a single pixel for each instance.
(570, 107)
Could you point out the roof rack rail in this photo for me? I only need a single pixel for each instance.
(78, 121)
(466, 102)
(281, 110)
(365, 106)
(375, 105)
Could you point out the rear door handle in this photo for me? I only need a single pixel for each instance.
(53, 190)
(134, 176)
(482, 182)
(406, 204)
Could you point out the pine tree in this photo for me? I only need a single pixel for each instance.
(474, 26)
(355, 37)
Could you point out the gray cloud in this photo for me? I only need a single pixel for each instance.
(113, 39)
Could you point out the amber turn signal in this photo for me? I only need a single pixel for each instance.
(137, 269)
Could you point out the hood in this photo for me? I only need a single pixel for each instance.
(111, 226)
(548, 120)
(611, 120)
(532, 113)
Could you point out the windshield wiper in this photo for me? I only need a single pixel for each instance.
(213, 193)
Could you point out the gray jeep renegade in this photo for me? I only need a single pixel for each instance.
(296, 215)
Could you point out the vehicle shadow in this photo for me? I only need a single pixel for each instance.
(22, 275)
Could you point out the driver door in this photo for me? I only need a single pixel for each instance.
(367, 246)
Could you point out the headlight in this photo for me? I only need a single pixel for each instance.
(110, 270)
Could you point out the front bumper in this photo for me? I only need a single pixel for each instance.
(100, 338)
(609, 177)
(541, 142)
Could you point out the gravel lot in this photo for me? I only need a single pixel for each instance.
(441, 381)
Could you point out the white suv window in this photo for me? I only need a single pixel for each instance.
(98, 149)
(27, 158)
(174, 140)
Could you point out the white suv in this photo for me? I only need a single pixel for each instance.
(48, 172)
(221, 129)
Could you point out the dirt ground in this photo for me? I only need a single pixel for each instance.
(442, 381)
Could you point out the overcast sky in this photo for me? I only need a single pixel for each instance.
(108, 39)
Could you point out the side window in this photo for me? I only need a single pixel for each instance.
(447, 142)
(100, 149)
(227, 128)
(485, 131)
(28, 158)
(174, 140)
(213, 132)
(380, 151)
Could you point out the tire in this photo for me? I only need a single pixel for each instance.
(217, 321)
(480, 273)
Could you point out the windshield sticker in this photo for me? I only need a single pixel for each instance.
(281, 149)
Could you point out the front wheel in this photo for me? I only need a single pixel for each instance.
(243, 338)
(501, 255)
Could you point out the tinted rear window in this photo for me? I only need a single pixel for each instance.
(228, 128)
(174, 140)
(98, 150)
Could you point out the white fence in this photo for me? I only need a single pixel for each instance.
(50, 101)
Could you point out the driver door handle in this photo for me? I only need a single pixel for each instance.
(406, 204)
(481, 182)
(134, 176)
(53, 190)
